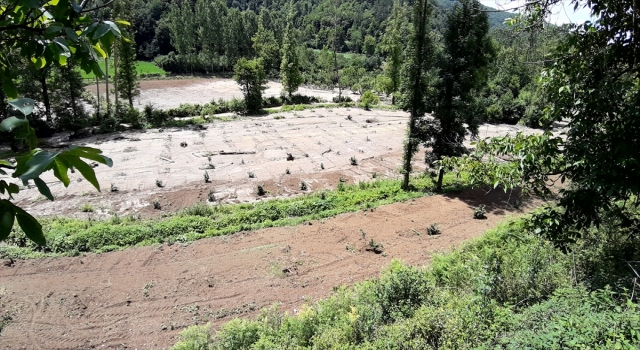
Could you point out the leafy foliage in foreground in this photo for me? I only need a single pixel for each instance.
(73, 236)
(507, 290)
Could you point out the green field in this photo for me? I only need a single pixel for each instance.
(143, 68)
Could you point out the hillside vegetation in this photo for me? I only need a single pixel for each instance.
(507, 290)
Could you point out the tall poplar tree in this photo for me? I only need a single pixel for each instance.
(468, 50)
(128, 82)
(416, 81)
(265, 44)
(290, 66)
(392, 44)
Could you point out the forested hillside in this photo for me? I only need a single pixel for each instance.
(336, 44)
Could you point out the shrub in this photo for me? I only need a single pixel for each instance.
(260, 190)
(480, 212)
(369, 99)
(194, 338)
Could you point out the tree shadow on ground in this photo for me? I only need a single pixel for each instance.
(496, 201)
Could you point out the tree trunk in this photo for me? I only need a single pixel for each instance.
(98, 91)
(115, 74)
(73, 98)
(440, 177)
(45, 96)
(106, 64)
(408, 154)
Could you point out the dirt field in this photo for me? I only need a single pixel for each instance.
(141, 298)
(252, 145)
(165, 94)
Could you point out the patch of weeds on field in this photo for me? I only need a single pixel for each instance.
(146, 288)
(303, 186)
(113, 188)
(251, 174)
(354, 161)
(211, 197)
(322, 166)
(375, 247)
(480, 213)
(87, 208)
(260, 190)
(66, 235)
(287, 171)
(207, 179)
(433, 230)
(159, 183)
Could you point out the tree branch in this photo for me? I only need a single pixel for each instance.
(98, 7)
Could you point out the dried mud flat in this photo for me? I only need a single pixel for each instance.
(141, 298)
(230, 152)
(165, 94)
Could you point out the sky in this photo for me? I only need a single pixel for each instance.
(561, 14)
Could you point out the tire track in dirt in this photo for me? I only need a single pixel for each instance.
(142, 297)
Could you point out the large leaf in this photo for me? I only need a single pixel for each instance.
(84, 169)
(7, 217)
(60, 168)
(43, 188)
(31, 166)
(30, 226)
(90, 153)
(24, 105)
(12, 123)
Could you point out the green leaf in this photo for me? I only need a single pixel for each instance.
(90, 153)
(24, 105)
(30, 226)
(34, 165)
(60, 169)
(84, 169)
(12, 123)
(43, 188)
(9, 88)
(101, 31)
(7, 217)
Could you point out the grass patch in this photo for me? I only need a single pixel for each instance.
(144, 69)
(66, 236)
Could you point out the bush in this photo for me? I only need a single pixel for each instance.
(369, 99)
(343, 99)
(194, 338)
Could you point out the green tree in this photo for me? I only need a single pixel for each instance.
(265, 44)
(392, 44)
(468, 50)
(593, 82)
(416, 81)
(249, 74)
(290, 66)
(67, 102)
(127, 78)
(46, 33)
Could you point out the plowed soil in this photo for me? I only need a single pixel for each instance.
(141, 298)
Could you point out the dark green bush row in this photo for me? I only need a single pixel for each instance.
(506, 290)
